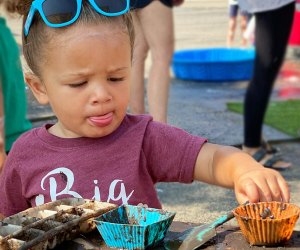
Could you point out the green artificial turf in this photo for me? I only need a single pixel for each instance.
(282, 115)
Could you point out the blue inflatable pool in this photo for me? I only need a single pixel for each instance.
(214, 64)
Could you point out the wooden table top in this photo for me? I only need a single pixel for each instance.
(228, 237)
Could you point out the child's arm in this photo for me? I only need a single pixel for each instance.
(230, 167)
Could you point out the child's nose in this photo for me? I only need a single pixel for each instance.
(100, 94)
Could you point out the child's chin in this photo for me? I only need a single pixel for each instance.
(99, 134)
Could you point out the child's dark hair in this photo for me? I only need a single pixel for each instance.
(39, 34)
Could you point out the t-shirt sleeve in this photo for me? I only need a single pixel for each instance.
(171, 153)
(12, 200)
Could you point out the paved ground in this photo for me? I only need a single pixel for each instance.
(200, 108)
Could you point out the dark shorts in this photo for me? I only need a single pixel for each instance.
(234, 9)
(138, 4)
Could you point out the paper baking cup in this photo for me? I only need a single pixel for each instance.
(134, 227)
(277, 226)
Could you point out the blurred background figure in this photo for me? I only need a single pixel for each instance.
(273, 22)
(13, 102)
(236, 14)
(249, 33)
(153, 22)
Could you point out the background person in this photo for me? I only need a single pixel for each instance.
(153, 22)
(235, 11)
(13, 102)
(273, 22)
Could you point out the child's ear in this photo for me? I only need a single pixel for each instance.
(37, 87)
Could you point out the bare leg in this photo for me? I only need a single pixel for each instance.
(137, 89)
(231, 31)
(243, 25)
(157, 24)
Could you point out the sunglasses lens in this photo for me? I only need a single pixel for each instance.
(111, 6)
(59, 11)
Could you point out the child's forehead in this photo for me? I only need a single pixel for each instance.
(79, 40)
(83, 31)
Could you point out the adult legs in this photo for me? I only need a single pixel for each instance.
(243, 26)
(271, 37)
(137, 90)
(233, 9)
(156, 22)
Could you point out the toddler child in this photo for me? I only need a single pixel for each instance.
(79, 53)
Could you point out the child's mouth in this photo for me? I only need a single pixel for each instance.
(102, 120)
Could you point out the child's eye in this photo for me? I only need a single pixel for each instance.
(115, 79)
(76, 85)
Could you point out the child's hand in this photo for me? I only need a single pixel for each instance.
(230, 167)
(261, 184)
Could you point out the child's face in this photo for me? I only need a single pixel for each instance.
(86, 79)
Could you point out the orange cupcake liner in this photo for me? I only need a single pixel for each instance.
(267, 223)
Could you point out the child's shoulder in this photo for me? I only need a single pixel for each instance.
(146, 125)
(138, 118)
(30, 133)
(26, 145)
(135, 121)
(144, 122)
(27, 138)
(146, 119)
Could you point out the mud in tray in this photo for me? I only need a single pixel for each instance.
(48, 225)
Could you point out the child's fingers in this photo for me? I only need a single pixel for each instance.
(248, 192)
(242, 198)
(277, 193)
(285, 193)
(265, 192)
(272, 189)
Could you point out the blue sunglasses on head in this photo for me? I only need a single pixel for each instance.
(60, 13)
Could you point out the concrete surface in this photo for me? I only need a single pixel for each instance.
(200, 108)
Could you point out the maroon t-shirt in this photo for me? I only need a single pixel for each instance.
(120, 168)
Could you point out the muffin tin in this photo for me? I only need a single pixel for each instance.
(48, 225)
